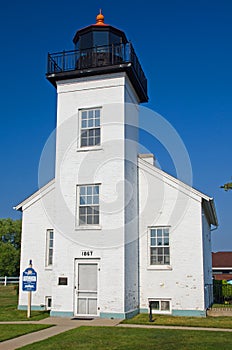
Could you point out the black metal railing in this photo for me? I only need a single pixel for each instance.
(100, 56)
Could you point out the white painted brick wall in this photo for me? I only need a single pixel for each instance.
(35, 224)
(107, 167)
(183, 281)
(115, 243)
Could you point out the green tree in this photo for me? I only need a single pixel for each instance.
(9, 260)
(10, 244)
(10, 231)
(227, 186)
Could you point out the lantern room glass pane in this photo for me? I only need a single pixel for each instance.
(115, 39)
(100, 38)
(86, 41)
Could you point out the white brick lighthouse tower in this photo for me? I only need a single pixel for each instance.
(85, 222)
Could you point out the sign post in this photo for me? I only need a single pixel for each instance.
(29, 305)
(29, 284)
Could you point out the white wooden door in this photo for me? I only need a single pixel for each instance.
(86, 289)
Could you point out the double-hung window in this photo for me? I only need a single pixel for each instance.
(90, 134)
(49, 247)
(89, 205)
(159, 246)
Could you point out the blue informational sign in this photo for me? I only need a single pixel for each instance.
(29, 280)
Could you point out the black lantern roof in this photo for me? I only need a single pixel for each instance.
(99, 34)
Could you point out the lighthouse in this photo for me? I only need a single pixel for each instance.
(102, 234)
(92, 234)
(99, 85)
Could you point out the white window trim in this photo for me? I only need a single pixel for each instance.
(88, 148)
(79, 227)
(162, 312)
(167, 267)
(87, 227)
(159, 267)
(47, 265)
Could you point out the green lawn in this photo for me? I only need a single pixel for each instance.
(108, 338)
(221, 306)
(8, 307)
(9, 331)
(165, 320)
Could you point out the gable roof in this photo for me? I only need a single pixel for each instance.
(207, 202)
(36, 195)
(222, 259)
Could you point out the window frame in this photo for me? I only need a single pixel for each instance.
(157, 266)
(93, 196)
(160, 301)
(48, 303)
(87, 128)
(49, 248)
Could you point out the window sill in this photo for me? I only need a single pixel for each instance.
(159, 267)
(90, 148)
(48, 268)
(89, 227)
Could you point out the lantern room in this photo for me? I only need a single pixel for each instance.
(99, 49)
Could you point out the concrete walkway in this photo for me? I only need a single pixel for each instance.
(60, 325)
(176, 327)
(64, 324)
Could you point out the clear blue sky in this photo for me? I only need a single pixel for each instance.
(185, 48)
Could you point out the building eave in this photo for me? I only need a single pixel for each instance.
(94, 71)
(36, 195)
(209, 207)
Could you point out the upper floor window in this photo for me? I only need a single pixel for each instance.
(49, 247)
(159, 246)
(89, 205)
(90, 127)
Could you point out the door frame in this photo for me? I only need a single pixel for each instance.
(77, 262)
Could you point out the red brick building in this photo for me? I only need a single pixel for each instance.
(222, 265)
